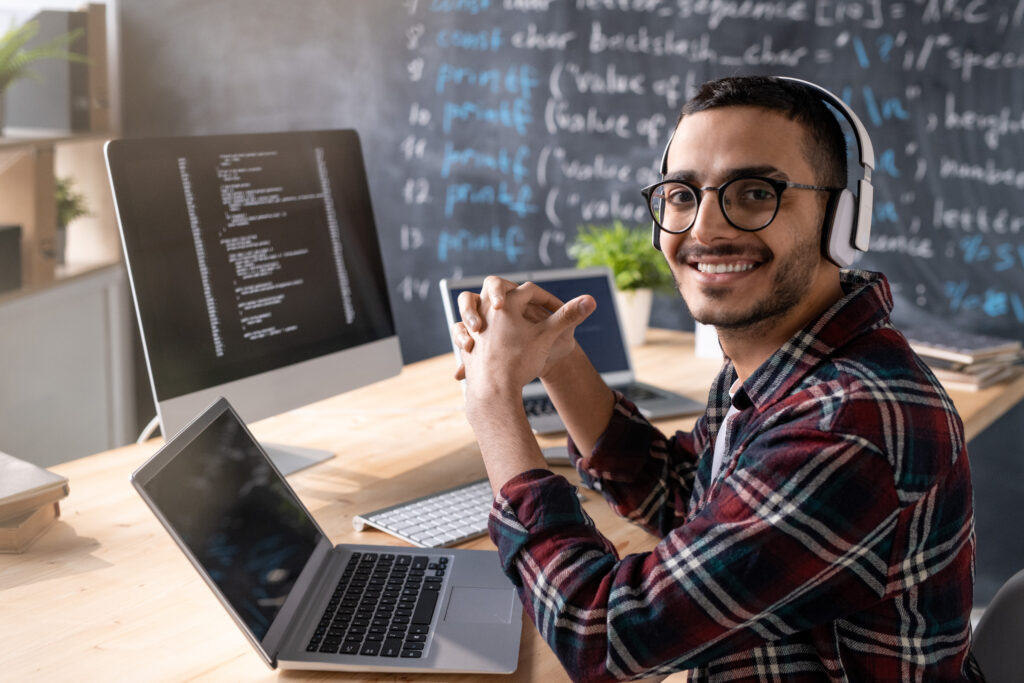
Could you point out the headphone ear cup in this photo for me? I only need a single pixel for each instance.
(837, 232)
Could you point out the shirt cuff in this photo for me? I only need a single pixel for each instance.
(533, 505)
(621, 450)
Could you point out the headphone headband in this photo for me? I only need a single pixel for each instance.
(865, 149)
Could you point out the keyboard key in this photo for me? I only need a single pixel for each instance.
(330, 645)
(391, 648)
(424, 612)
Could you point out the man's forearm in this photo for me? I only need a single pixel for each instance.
(503, 433)
(583, 400)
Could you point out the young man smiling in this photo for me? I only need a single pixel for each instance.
(817, 523)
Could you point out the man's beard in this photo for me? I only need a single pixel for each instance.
(790, 286)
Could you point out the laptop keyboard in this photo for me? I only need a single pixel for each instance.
(636, 393)
(440, 519)
(541, 405)
(383, 606)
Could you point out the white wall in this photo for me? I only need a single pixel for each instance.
(17, 11)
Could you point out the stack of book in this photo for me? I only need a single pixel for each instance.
(29, 502)
(966, 360)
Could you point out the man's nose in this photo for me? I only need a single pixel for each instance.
(710, 223)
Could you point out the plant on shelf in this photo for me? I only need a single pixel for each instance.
(17, 55)
(637, 267)
(70, 205)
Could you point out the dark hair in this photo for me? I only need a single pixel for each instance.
(824, 143)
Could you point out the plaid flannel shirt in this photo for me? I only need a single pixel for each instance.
(836, 543)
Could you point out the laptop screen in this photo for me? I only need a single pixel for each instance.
(599, 335)
(238, 518)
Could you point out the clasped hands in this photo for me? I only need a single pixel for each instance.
(512, 333)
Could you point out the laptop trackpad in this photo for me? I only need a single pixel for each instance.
(470, 605)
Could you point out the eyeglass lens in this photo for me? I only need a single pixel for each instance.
(748, 203)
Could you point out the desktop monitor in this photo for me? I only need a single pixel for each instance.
(256, 272)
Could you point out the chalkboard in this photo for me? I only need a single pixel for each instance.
(495, 128)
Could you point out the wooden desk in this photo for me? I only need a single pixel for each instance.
(107, 595)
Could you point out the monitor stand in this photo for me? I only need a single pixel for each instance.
(289, 459)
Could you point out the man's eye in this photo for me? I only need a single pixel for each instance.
(760, 195)
(679, 196)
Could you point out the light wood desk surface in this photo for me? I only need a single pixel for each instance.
(106, 595)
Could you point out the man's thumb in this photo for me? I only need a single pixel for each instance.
(572, 313)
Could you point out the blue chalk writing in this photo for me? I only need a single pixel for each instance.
(878, 111)
(508, 242)
(992, 302)
(862, 54)
(503, 161)
(483, 41)
(516, 79)
(466, 6)
(515, 114)
(466, 193)
(885, 212)
(1004, 256)
(886, 163)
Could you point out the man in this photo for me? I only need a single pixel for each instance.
(817, 523)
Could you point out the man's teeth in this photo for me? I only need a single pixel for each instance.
(724, 267)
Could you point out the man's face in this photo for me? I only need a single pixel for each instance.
(730, 278)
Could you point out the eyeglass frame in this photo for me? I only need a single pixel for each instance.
(779, 185)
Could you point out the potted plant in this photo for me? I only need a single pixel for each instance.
(17, 56)
(70, 205)
(638, 268)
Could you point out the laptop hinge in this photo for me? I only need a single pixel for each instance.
(313, 574)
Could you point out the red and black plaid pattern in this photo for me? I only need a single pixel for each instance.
(836, 543)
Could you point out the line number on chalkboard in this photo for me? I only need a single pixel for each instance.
(416, 191)
(416, 69)
(413, 147)
(418, 116)
(413, 35)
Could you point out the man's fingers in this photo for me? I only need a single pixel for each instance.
(536, 313)
(571, 314)
(469, 311)
(495, 289)
(537, 296)
(461, 337)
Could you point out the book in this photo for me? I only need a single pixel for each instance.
(946, 342)
(25, 487)
(19, 532)
(970, 380)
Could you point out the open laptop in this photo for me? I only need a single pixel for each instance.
(601, 336)
(303, 603)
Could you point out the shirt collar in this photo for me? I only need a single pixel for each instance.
(866, 305)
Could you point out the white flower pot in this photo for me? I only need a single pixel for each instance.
(635, 310)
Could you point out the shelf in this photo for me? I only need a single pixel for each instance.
(10, 141)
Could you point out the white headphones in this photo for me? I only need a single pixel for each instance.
(847, 226)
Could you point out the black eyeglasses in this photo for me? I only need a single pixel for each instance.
(749, 203)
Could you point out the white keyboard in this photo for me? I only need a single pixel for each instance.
(437, 520)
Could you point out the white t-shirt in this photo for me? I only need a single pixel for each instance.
(719, 454)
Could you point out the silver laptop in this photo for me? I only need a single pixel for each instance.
(601, 336)
(303, 603)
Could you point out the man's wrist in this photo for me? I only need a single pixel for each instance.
(486, 400)
(563, 370)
